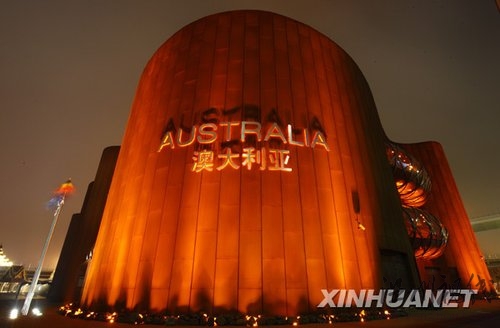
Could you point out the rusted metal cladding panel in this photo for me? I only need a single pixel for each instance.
(462, 257)
(252, 157)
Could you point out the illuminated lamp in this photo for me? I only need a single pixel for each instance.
(4, 260)
(427, 235)
(412, 181)
(14, 314)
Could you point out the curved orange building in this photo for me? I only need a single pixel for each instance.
(461, 260)
(253, 173)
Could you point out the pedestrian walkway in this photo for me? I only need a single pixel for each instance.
(480, 314)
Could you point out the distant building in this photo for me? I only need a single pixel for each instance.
(487, 229)
(4, 260)
(15, 279)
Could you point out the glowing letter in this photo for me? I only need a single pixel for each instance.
(290, 137)
(275, 132)
(279, 158)
(203, 160)
(212, 134)
(245, 130)
(263, 161)
(228, 160)
(319, 138)
(249, 156)
(167, 140)
(187, 142)
(228, 130)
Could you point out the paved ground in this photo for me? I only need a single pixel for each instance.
(480, 314)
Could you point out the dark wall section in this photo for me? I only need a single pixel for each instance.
(82, 233)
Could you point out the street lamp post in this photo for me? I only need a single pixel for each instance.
(60, 196)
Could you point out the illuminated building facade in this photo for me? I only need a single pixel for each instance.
(254, 172)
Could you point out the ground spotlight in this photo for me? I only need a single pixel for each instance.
(14, 313)
(36, 312)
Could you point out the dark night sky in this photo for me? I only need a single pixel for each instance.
(69, 70)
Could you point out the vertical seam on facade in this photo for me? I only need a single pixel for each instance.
(292, 112)
(200, 179)
(283, 249)
(308, 112)
(212, 76)
(335, 122)
(344, 100)
(180, 202)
